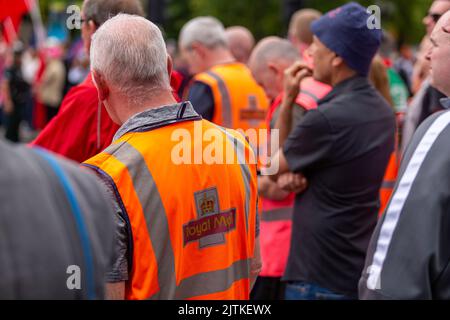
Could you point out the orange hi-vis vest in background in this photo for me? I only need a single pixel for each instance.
(192, 223)
(239, 102)
(390, 178)
(276, 216)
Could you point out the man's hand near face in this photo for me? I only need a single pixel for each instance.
(293, 76)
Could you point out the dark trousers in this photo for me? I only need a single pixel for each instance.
(268, 288)
(12, 122)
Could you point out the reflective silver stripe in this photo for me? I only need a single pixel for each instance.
(245, 171)
(113, 148)
(279, 214)
(226, 101)
(388, 184)
(155, 217)
(213, 281)
(310, 94)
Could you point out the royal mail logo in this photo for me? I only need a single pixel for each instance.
(248, 115)
(210, 225)
(252, 113)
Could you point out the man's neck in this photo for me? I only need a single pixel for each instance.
(163, 98)
(220, 56)
(341, 76)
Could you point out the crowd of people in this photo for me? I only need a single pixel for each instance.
(120, 185)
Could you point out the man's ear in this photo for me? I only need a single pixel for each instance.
(92, 26)
(273, 67)
(198, 49)
(337, 61)
(101, 85)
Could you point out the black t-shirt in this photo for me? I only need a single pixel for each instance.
(343, 149)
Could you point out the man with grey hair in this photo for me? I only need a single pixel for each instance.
(81, 128)
(268, 62)
(409, 251)
(241, 42)
(223, 89)
(179, 241)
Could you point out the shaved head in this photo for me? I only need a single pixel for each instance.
(269, 59)
(241, 42)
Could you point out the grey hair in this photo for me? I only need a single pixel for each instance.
(130, 53)
(206, 30)
(275, 48)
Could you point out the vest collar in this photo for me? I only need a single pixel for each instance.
(158, 117)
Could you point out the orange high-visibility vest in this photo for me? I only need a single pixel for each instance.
(193, 225)
(239, 102)
(276, 216)
(388, 184)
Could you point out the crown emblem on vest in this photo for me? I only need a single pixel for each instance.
(207, 204)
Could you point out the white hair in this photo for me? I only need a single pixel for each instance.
(206, 30)
(129, 52)
(275, 48)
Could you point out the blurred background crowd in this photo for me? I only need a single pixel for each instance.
(41, 58)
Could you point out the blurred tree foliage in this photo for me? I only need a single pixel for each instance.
(264, 17)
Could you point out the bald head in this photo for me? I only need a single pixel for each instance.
(241, 42)
(300, 25)
(269, 59)
(439, 53)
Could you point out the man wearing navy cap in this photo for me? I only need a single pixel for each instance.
(337, 155)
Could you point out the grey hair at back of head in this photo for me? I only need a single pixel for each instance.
(275, 48)
(205, 30)
(130, 53)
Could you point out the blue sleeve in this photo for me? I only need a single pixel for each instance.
(201, 97)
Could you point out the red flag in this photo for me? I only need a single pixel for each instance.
(11, 13)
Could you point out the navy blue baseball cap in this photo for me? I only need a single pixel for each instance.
(345, 31)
